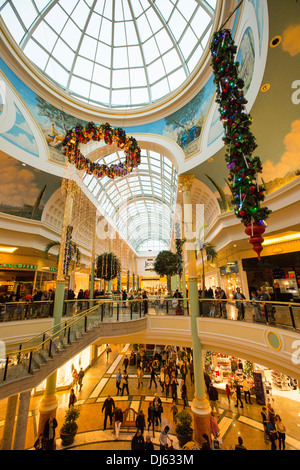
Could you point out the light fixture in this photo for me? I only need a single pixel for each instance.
(285, 238)
(265, 87)
(8, 249)
(276, 41)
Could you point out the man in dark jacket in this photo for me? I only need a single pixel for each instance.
(213, 398)
(138, 442)
(109, 407)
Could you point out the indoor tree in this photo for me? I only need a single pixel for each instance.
(208, 250)
(166, 264)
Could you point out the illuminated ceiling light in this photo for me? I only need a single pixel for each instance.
(276, 41)
(271, 241)
(8, 249)
(265, 87)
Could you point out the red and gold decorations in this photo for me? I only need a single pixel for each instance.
(82, 135)
(244, 168)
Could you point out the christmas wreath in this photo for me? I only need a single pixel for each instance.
(82, 135)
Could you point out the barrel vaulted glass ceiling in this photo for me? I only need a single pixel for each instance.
(112, 53)
(142, 204)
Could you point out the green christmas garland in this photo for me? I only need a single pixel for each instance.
(108, 266)
(82, 135)
(179, 242)
(247, 193)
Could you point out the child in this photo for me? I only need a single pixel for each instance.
(174, 410)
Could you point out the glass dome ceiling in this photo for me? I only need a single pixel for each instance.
(112, 53)
(142, 204)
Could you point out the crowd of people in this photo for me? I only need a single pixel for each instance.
(263, 310)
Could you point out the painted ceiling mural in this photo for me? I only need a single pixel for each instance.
(24, 190)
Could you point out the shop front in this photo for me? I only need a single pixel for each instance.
(280, 274)
(230, 278)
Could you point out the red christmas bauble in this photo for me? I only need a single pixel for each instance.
(254, 231)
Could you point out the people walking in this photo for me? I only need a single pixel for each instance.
(163, 438)
(151, 419)
(109, 407)
(214, 427)
(75, 378)
(140, 421)
(80, 378)
(213, 398)
(281, 430)
(174, 411)
(238, 396)
(162, 379)
(206, 443)
(118, 381)
(125, 363)
(125, 383)
(49, 433)
(140, 375)
(153, 374)
(157, 405)
(246, 390)
(118, 413)
(174, 385)
(240, 305)
(167, 384)
(138, 442)
(148, 443)
(192, 371)
(265, 423)
(272, 433)
(184, 395)
(72, 398)
(228, 393)
(240, 445)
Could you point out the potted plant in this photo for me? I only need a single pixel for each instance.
(184, 431)
(70, 427)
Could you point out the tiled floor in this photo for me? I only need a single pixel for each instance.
(99, 381)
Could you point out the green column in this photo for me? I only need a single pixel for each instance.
(200, 405)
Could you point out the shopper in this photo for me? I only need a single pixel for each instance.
(138, 442)
(118, 381)
(72, 398)
(162, 379)
(174, 385)
(281, 432)
(125, 363)
(167, 384)
(272, 433)
(107, 350)
(75, 378)
(148, 443)
(158, 409)
(191, 367)
(184, 395)
(151, 419)
(228, 393)
(222, 296)
(240, 445)
(265, 423)
(174, 411)
(80, 378)
(256, 307)
(214, 425)
(240, 305)
(109, 407)
(118, 413)
(125, 383)
(152, 377)
(140, 421)
(246, 390)
(207, 380)
(163, 438)
(213, 398)
(49, 433)
(238, 396)
(206, 443)
(140, 375)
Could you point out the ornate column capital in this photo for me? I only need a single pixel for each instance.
(186, 181)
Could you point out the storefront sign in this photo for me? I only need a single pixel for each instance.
(230, 268)
(17, 266)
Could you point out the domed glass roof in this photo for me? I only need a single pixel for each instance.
(112, 53)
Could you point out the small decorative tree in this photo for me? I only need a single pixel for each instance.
(184, 430)
(166, 264)
(70, 427)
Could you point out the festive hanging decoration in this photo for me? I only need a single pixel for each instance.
(133, 282)
(128, 281)
(68, 250)
(108, 266)
(82, 135)
(119, 285)
(244, 169)
(179, 242)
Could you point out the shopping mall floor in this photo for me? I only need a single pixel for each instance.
(99, 381)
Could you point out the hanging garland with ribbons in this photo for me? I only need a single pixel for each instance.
(82, 135)
(244, 168)
(179, 242)
(68, 250)
(108, 266)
